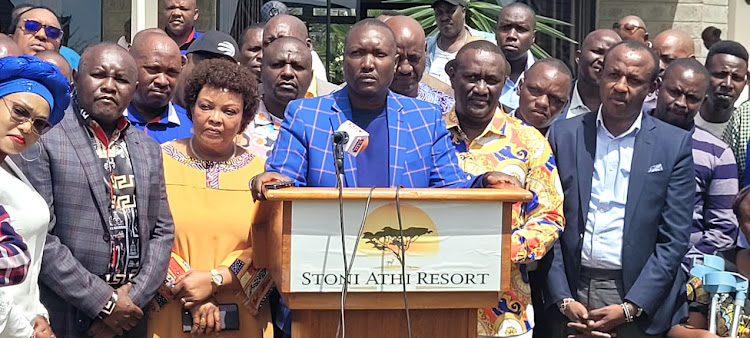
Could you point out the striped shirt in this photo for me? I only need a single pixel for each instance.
(714, 224)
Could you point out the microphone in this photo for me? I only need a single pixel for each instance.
(351, 137)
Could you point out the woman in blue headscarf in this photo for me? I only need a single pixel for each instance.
(33, 98)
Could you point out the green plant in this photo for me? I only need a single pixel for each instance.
(481, 15)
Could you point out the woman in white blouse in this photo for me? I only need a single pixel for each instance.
(33, 97)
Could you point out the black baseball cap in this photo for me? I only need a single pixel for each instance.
(215, 42)
(461, 3)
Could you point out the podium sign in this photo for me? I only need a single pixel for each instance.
(450, 246)
(456, 243)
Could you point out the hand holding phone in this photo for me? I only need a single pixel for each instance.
(279, 185)
(259, 184)
(229, 321)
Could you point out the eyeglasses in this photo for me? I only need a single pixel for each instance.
(34, 26)
(20, 115)
(628, 27)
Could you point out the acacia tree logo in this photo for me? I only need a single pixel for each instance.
(389, 240)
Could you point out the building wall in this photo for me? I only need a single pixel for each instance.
(690, 16)
(116, 12)
(114, 15)
(739, 24)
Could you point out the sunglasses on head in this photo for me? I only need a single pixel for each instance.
(34, 26)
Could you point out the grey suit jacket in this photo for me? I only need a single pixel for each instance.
(71, 179)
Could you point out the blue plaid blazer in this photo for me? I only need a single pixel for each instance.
(420, 154)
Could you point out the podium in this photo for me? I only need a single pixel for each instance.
(457, 243)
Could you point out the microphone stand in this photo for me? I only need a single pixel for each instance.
(339, 139)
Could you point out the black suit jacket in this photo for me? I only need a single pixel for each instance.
(658, 214)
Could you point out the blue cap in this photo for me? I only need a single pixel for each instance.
(28, 74)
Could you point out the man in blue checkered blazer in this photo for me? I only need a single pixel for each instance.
(409, 145)
(418, 151)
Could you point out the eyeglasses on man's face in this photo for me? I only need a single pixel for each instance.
(628, 27)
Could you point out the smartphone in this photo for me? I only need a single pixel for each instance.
(230, 318)
(280, 185)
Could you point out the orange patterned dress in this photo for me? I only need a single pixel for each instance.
(213, 209)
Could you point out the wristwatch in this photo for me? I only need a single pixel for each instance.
(216, 279)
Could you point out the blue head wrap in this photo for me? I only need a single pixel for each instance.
(29, 74)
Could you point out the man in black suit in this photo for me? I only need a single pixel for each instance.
(629, 184)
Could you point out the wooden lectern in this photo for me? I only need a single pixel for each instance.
(441, 304)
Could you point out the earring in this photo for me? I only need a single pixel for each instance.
(35, 158)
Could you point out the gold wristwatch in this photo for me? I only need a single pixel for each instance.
(216, 279)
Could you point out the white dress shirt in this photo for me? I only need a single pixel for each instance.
(602, 239)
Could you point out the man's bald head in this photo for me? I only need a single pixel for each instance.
(671, 45)
(369, 24)
(405, 27)
(58, 60)
(92, 54)
(600, 34)
(8, 47)
(631, 27)
(591, 55)
(146, 39)
(410, 45)
(285, 25)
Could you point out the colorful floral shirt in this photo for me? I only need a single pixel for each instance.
(510, 147)
(260, 135)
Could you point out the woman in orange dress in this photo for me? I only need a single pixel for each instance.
(207, 187)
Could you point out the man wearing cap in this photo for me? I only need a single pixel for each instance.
(159, 66)
(180, 16)
(450, 16)
(211, 45)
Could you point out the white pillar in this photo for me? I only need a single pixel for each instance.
(145, 14)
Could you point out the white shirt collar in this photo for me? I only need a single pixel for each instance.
(634, 128)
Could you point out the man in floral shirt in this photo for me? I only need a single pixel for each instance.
(487, 139)
(287, 73)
